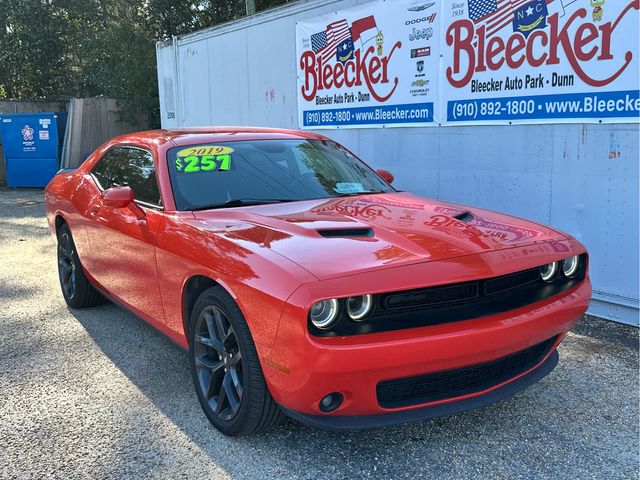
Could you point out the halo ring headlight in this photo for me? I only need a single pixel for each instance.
(570, 266)
(549, 271)
(359, 307)
(324, 313)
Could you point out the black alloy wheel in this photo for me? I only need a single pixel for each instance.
(218, 362)
(225, 367)
(77, 290)
(66, 264)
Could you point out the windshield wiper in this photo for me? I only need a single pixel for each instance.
(243, 202)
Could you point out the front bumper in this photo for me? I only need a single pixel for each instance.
(362, 422)
(301, 369)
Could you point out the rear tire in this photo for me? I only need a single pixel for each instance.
(77, 290)
(226, 370)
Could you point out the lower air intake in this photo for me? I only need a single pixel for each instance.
(436, 386)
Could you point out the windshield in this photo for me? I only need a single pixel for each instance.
(229, 174)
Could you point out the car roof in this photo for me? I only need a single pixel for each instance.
(193, 135)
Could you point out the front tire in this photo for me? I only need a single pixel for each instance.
(76, 287)
(226, 369)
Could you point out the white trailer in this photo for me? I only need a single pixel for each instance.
(580, 178)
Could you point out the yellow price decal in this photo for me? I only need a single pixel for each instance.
(204, 158)
(204, 150)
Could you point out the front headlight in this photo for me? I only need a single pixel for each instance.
(359, 307)
(548, 272)
(324, 313)
(571, 266)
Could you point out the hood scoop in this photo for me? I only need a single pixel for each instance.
(464, 217)
(346, 232)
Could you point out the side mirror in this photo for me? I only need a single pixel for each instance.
(386, 175)
(117, 197)
(122, 197)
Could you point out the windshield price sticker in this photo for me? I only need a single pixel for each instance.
(205, 158)
(349, 187)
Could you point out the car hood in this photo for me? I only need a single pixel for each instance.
(346, 235)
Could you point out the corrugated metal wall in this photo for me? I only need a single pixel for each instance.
(581, 178)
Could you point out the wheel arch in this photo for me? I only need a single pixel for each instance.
(59, 221)
(191, 290)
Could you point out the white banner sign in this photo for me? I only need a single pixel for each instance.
(432, 62)
(540, 61)
(372, 65)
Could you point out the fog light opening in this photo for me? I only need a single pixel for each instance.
(331, 402)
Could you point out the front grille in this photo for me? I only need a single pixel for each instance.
(424, 297)
(457, 293)
(514, 280)
(436, 386)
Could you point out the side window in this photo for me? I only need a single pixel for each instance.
(132, 167)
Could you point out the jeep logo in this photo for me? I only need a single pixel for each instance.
(418, 34)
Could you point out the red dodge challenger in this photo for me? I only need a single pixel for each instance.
(302, 283)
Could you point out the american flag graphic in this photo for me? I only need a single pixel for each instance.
(562, 6)
(493, 14)
(325, 43)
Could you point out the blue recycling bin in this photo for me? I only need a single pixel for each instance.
(32, 147)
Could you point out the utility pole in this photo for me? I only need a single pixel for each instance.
(251, 6)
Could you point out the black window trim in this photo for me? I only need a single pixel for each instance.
(134, 147)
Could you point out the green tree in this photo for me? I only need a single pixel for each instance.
(32, 49)
(64, 48)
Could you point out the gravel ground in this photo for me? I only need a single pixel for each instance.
(99, 394)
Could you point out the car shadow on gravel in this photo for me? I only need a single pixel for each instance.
(160, 369)
(442, 446)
